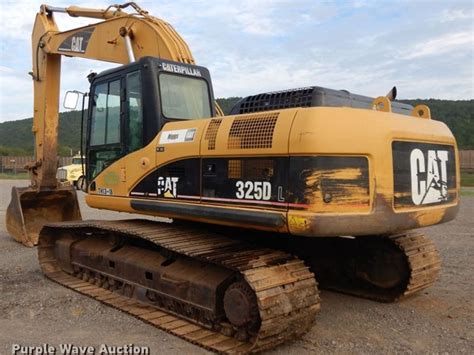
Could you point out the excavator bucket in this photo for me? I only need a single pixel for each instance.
(30, 209)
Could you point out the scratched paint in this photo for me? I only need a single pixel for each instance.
(429, 217)
(332, 184)
(336, 188)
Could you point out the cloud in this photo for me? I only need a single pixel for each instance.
(441, 45)
(17, 18)
(457, 14)
(16, 100)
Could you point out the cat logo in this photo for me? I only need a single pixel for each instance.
(428, 176)
(167, 187)
(76, 44)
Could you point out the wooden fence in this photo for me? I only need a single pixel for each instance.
(466, 158)
(17, 164)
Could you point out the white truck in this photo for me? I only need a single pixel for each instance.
(73, 173)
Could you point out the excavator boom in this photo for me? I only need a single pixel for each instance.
(120, 38)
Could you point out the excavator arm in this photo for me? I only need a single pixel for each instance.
(121, 37)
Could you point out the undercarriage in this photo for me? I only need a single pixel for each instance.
(219, 293)
(225, 293)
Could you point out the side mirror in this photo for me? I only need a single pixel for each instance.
(82, 184)
(70, 100)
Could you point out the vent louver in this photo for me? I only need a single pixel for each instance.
(234, 169)
(211, 133)
(252, 132)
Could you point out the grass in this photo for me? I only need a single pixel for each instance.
(467, 191)
(10, 176)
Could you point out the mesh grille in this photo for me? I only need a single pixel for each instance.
(250, 132)
(234, 169)
(211, 133)
(275, 101)
(61, 174)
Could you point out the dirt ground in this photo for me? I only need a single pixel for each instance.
(34, 310)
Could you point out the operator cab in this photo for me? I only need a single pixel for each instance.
(129, 105)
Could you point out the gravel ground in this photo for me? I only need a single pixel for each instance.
(34, 311)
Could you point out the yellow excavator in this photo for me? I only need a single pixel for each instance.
(292, 185)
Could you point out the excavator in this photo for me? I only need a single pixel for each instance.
(292, 185)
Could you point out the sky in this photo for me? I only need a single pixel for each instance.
(424, 47)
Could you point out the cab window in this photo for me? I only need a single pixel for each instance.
(184, 97)
(105, 128)
(105, 125)
(135, 111)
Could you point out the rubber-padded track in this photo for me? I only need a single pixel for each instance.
(287, 294)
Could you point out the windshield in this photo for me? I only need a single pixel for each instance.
(76, 161)
(184, 97)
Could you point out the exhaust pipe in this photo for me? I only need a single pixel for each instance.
(392, 94)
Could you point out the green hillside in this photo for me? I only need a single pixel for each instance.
(226, 104)
(16, 137)
(458, 115)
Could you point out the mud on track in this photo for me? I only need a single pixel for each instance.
(34, 310)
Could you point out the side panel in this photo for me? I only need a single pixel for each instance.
(424, 174)
(256, 182)
(329, 183)
(258, 134)
(177, 180)
(336, 174)
(171, 146)
(259, 182)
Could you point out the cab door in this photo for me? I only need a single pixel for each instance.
(104, 138)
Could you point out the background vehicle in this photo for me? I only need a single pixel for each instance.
(260, 198)
(72, 173)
